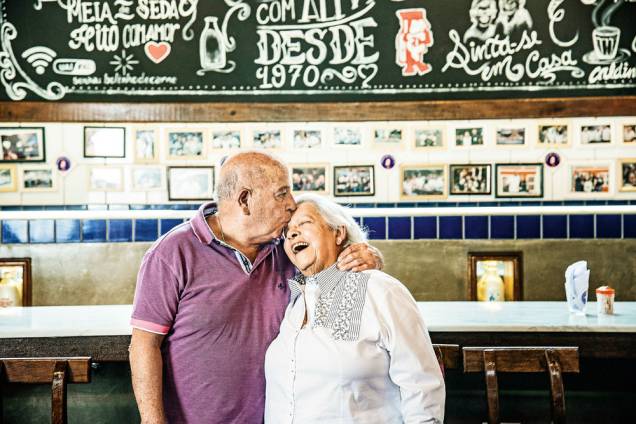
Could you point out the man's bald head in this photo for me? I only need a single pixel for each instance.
(247, 169)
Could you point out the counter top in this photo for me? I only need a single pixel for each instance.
(113, 320)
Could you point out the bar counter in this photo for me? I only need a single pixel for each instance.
(103, 332)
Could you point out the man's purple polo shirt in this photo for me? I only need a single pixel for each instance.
(219, 314)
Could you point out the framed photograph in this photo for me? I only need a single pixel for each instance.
(24, 144)
(469, 136)
(146, 145)
(429, 138)
(495, 276)
(267, 139)
(309, 178)
(225, 139)
(8, 178)
(185, 144)
(629, 134)
(190, 182)
(38, 179)
(147, 178)
(356, 180)
(519, 180)
(105, 178)
(627, 175)
(470, 179)
(387, 136)
(104, 142)
(15, 282)
(590, 179)
(423, 182)
(347, 136)
(511, 136)
(596, 134)
(553, 135)
(307, 139)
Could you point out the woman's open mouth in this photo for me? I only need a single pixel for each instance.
(298, 247)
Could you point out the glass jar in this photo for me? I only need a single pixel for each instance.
(605, 300)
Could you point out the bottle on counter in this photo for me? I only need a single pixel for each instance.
(605, 300)
(490, 287)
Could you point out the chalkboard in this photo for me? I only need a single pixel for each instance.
(315, 50)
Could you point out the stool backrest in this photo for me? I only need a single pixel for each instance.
(447, 356)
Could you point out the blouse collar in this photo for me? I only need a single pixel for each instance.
(327, 280)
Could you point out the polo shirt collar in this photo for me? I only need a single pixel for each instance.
(199, 224)
(327, 280)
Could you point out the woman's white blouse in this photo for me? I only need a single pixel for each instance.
(364, 355)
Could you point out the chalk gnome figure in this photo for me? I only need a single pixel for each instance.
(413, 41)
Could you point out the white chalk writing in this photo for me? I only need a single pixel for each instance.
(556, 15)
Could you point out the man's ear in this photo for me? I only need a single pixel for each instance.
(341, 235)
(244, 200)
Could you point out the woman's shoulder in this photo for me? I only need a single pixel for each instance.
(380, 283)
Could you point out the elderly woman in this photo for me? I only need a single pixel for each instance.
(352, 346)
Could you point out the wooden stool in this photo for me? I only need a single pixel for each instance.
(447, 356)
(555, 360)
(58, 371)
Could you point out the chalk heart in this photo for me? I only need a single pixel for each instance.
(157, 52)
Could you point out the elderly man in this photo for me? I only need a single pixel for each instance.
(210, 298)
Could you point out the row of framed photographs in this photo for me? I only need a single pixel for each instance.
(417, 181)
(27, 144)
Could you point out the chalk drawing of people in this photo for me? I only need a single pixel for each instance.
(513, 18)
(482, 14)
(412, 41)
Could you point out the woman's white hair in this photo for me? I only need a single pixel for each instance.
(335, 216)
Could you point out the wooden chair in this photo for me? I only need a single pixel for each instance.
(58, 371)
(554, 360)
(447, 356)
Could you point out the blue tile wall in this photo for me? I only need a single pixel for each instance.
(450, 227)
(94, 230)
(629, 226)
(608, 226)
(42, 231)
(476, 227)
(146, 229)
(528, 226)
(120, 230)
(376, 226)
(581, 226)
(502, 227)
(555, 226)
(15, 231)
(400, 227)
(67, 231)
(168, 224)
(425, 227)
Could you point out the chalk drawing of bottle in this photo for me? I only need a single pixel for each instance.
(212, 46)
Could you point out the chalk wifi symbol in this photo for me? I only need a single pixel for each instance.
(39, 57)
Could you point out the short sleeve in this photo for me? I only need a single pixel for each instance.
(156, 295)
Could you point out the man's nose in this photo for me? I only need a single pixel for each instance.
(291, 206)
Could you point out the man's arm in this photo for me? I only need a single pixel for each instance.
(360, 257)
(147, 375)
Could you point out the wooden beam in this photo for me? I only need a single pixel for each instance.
(14, 112)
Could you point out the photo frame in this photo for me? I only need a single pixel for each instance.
(267, 139)
(104, 142)
(495, 276)
(15, 282)
(595, 135)
(225, 139)
(38, 179)
(354, 180)
(190, 182)
(146, 145)
(147, 178)
(590, 179)
(309, 178)
(347, 136)
(8, 178)
(626, 173)
(22, 144)
(521, 180)
(629, 134)
(510, 136)
(185, 144)
(105, 178)
(423, 182)
(387, 137)
(472, 179)
(555, 134)
(469, 136)
(307, 138)
(429, 138)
